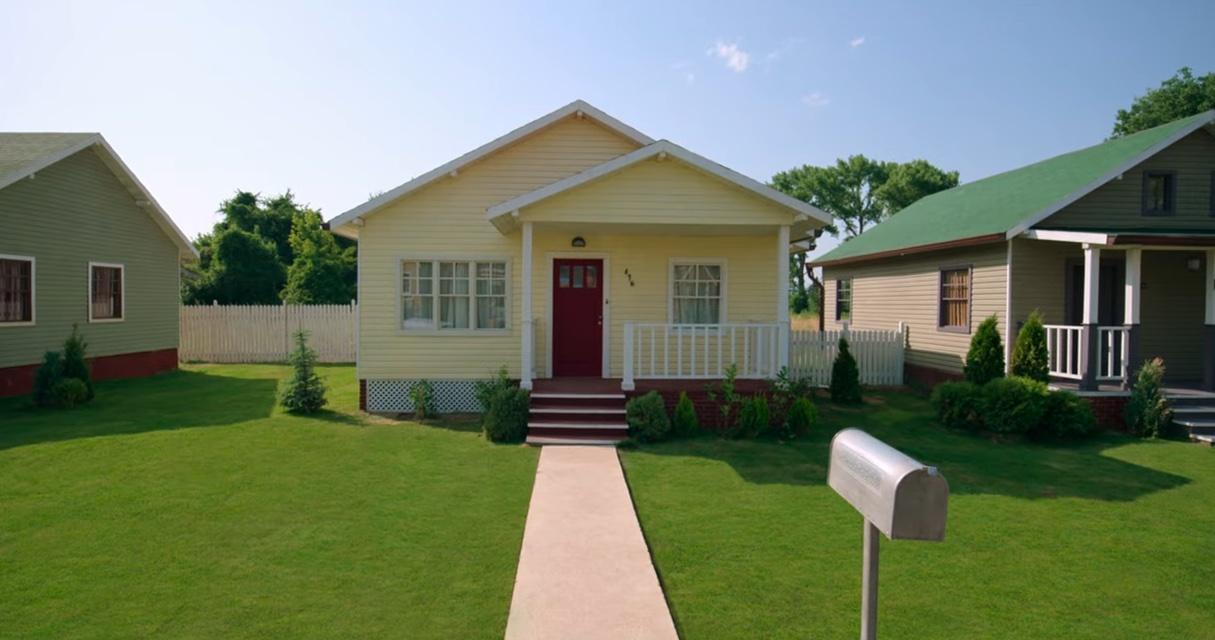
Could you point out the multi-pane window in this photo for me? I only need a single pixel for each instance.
(955, 299)
(1159, 193)
(105, 292)
(16, 290)
(696, 295)
(453, 294)
(843, 299)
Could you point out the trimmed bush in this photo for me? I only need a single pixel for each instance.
(71, 392)
(1148, 414)
(1030, 358)
(985, 359)
(959, 405)
(845, 377)
(74, 363)
(802, 418)
(506, 418)
(754, 418)
(725, 395)
(423, 396)
(46, 378)
(1014, 405)
(1067, 416)
(686, 423)
(647, 418)
(305, 391)
(484, 390)
(782, 392)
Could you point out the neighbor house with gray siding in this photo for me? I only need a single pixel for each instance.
(83, 243)
(1114, 244)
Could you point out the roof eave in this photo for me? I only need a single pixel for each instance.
(990, 238)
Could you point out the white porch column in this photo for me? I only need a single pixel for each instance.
(1089, 357)
(528, 349)
(1130, 314)
(782, 296)
(1208, 329)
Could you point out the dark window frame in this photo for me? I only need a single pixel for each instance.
(119, 295)
(839, 287)
(1170, 193)
(970, 298)
(31, 303)
(1212, 195)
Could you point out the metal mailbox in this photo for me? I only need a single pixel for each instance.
(903, 498)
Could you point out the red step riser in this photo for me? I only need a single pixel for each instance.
(580, 418)
(581, 403)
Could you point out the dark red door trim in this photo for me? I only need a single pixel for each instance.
(578, 317)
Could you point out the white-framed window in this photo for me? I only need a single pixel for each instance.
(697, 294)
(107, 292)
(16, 290)
(453, 295)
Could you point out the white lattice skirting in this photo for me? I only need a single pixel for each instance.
(451, 396)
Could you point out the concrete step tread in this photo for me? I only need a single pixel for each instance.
(577, 396)
(573, 440)
(576, 425)
(1193, 409)
(576, 409)
(1191, 422)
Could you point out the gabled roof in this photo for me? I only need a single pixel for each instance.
(577, 106)
(25, 154)
(1005, 205)
(501, 213)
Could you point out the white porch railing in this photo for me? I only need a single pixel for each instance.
(1068, 352)
(693, 351)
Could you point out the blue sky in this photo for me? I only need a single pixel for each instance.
(339, 100)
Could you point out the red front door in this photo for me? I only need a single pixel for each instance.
(577, 317)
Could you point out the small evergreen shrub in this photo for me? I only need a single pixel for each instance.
(783, 391)
(305, 391)
(1030, 357)
(1014, 405)
(423, 396)
(754, 418)
(71, 392)
(506, 418)
(686, 423)
(1148, 414)
(802, 418)
(74, 363)
(49, 374)
(647, 418)
(985, 359)
(845, 377)
(959, 405)
(485, 390)
(725, 395)
(1067, 416)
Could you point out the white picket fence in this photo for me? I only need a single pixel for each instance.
(878, 353)
(263, 333)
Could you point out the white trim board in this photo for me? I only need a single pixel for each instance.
(502, 215)
(574, 108)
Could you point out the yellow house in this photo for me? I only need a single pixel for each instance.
(574, 248)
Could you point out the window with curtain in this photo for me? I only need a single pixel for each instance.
(16, 290)
(105, 300)
(1159, 193)
(843, 300)
(696, 294)
(453, 294)
(955, 299)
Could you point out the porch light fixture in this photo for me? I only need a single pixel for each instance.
(1193, 264)
(578, 242)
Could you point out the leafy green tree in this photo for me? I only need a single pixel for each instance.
(321, 273)
(911, 181)
(1180, 96)
(243, 269)
(1030, 357)
(985, 359)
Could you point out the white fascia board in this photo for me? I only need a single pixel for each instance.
(488, 148)
(498, 211)
(1081, 237)
(1117, 171)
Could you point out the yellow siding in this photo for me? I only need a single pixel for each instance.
(905, 289)
(1039, 278)
(1171, 313)
(751, 279)
(448, 218)
(666, 192)
(1117, 204)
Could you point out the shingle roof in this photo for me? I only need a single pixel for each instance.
(20, 150)
(1003, 202)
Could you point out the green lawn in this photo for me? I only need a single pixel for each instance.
(187, 506)
(1109, 539)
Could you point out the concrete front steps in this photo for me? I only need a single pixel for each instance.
(572, 417)
(1195, 412)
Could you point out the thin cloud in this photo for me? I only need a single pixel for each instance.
(735, 58)
(815, 100)
(856, 42)
(686, 70)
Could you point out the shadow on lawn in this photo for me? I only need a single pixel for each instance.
(175, 400)
(971, 463)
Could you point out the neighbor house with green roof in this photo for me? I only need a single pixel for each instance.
(83, 242)
(1114, 244)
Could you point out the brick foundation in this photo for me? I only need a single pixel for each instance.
(927, 377)
(1110, 410)
(362, 395)
(16, 381)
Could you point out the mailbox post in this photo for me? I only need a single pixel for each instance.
(895, 494)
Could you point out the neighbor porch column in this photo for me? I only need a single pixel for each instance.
(782, 296)
(528, 349)
(1130, 314)
(1089, 358)
(1208, 328)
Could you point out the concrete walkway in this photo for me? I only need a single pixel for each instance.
(585, 571)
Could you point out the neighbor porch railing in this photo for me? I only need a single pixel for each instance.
(702, 351)
(1068, 352)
